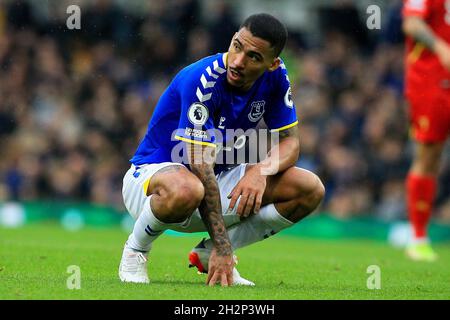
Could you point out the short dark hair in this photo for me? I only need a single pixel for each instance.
(269, 28)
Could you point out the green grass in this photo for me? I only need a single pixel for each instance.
(34, 261)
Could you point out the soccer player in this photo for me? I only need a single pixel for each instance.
(238, 206)
(427, 27)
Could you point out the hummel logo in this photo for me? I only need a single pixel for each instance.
(222, 120)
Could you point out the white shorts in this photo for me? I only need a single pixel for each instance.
(135, 198)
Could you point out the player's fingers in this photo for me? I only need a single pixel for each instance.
(233, 201)
(210, 274)
(249, 205)
(234, 197)
(230, 278)
(213, 280)
(242, 203)
(258, 203)
(224, 280)
(232, 191)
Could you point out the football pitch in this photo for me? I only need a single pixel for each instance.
(37, 262)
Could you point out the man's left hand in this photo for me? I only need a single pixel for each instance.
(251, 190)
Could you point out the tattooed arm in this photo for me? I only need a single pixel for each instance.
(418, 29)
(221, 262)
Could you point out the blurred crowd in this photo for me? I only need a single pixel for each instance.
(74, 104)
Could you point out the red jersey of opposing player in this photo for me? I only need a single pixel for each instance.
(427, 81)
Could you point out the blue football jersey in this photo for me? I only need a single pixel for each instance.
(199, 107)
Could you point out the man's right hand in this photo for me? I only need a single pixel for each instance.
(220, 269)
(442, 50)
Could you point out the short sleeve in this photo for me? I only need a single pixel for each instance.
(196, 123)
(418, 8)
(281, 114)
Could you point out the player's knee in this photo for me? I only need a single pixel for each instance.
(317, 194)
(314, 195)
(185, 197)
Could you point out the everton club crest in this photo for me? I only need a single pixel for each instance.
(256, 111)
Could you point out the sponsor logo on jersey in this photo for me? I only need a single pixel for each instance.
(198, 114)
(257, 110)
(195, 133)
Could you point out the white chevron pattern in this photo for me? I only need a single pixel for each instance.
(203, 97)
(217, 68)
(211, 74)
(207, 84)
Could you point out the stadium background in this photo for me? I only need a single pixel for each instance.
(75, 103)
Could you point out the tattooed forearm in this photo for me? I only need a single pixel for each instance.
(211, 208)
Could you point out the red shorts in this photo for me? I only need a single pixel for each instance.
(429, 114)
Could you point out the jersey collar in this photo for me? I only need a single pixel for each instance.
(225, 59)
